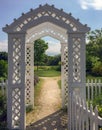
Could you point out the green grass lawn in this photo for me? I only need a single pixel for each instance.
(47, 71)
(37, 92)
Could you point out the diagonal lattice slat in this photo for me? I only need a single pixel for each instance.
(16, 61)
(76, 60)
(16, 103)
(66, 74)
(29, 74)
(47, 13)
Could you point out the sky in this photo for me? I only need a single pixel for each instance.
(88, 11)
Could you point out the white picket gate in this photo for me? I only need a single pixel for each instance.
(83, 117)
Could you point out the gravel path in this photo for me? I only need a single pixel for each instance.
(49, 100)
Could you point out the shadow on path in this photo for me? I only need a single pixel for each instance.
(55, 121)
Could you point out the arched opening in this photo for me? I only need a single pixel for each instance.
(45, 20)
(47, 29)
(50, 96)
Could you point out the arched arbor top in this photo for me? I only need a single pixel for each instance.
(43, 21)
(46, 13)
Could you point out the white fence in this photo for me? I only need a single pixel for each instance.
(93, 89)
(82, 117)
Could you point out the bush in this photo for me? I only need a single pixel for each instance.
(3, 110)
(98, 102)
(29, 108)
(36, 79)
(97, 70)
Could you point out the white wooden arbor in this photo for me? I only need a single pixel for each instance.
(43, 21)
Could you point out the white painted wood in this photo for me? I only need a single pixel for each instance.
(50, 21)
(30, 75)
(85, 118)
(93, 89)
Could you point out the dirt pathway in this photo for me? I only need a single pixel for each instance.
(49, 100)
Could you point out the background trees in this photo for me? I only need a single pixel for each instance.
(40, 46)
(3, 65)
(94, 53)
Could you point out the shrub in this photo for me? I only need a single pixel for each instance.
(36, 79)
(29, 108)
(98, 102)
(3, 110)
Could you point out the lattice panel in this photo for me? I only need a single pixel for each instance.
(16, 106)
(28, 61)
(28, 91)
(29, 74)
(76, 60)
(16, 78)
(47, 31)
(66, 74)
(49, 13)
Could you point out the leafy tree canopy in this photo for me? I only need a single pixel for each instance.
(4, 56)
(3, 69)
(94, 53)
(40, 47)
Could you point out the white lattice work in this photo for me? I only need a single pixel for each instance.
(16, 78)
(16, 106)
(45, 29)
(66, 74)
(39, 14)
(76, 59)
(61, 26)
(30, 74)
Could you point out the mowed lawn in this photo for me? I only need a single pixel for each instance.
(47, 71)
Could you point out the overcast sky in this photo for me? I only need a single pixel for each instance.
(88, 11)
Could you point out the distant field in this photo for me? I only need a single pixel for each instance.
(47, 71)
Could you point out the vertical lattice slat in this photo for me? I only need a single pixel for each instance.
(64, 74)
(30, 74)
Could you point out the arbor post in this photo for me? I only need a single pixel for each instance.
(16, 82)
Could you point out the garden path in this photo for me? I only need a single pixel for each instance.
(49, 100)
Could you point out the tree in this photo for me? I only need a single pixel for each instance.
(3, 69)
(40, 47)
(54, 60)
(94, 53)
(3, 56)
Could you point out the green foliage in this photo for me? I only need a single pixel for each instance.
(3, 56)
(36, 79)
(54, 60)
(98, 101)
(3, 110)
(39, 51)
(37, 92)
(3, 69)
(29, 108)
(59, 83)
(94, 53)
(47, 73)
